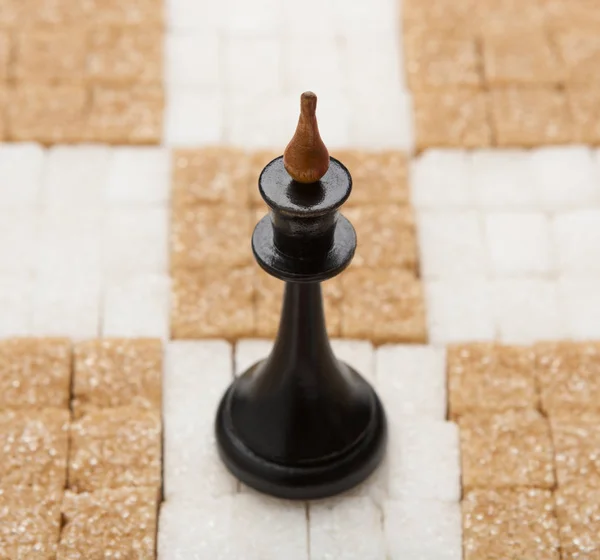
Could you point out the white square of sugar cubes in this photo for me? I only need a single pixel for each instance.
(423, 530)
(19, 238)
(249, 352)
(358, 354)
(139, 175)
(16, 295)
(21, 168)
(581, 299)
(519, 243)
(451, 243)
(345, 529)
(411, 380)
(441, 179)
(577, 238)
(193, 59)
(528, 310)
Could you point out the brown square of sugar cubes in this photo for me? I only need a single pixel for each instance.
(213, 303)
(490, 377)
(386, 236)
(33, 447)
(578, 513)
(528, 117)
(580, 52)
(11, 13)
(382, 305)
(377, 177)
(115, 447)
(143, 13)
(568, 376)
(122, 55)
(29, 522)
(257, 160)
(461, 18)
(584, 108)
(502, 524)
(203, 236)
(524, 58)
(439, 61)
(50, 56)
(452, 118)
(268, 301)
(35, 373)
(506, 449)
(212, 175)
(109, 523)
(5, 56)
(54, 14)
(116, 372)
(47, 114)
(126, 114)
(576, 448)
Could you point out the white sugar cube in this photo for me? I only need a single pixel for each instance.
(565, 176)
(258, 17)
(193, 117)
(451, 243)
(358, 354)
(346, 529)
(577, 238)
(411, 380)
(581, 299)
(376, 15)
(199, 16)
(519, 243)
(424, 459)
(502, 179)
(335, 114)
(18, 238)
(139, 175)
(136, 240)
(249, 352)
(16, 294)
(423, 530)
(441, 179)
(76, 175)
(21, 168)
(459, 310)
(192, 59)
(267, 529)
(527, 310)
(196, 530)
(293, 18)
(136, 306)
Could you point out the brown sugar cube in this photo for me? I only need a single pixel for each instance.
(213, 303)
(109, 523)
(50, 56)
(118, 372)
(578, 513)
(438, 61)
(35, 373)
(47, 114)
(525, 58)
(530, 117)
(142, 13)
(269, 297)
(386, 235)
(506, 449)
(382, 305)
(490, 377)
(33, 447)
(576, 444)
(377, 177)
(122, 55)
(584, 107)
(580, 53)
(115, 447)
(65, 14)
(568, 375)
(213, 175)
(509, 524)
(126, 115)
(454, 118)
(11, 13)
(202, 236)
(5, 56)
(257, 161)
(29, 522)
(449, 16)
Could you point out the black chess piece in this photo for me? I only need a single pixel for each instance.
(301, 424)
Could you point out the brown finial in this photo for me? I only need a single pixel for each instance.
(306, 158)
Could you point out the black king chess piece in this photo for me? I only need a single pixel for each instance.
(301, 424)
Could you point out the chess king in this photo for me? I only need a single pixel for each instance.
(300, 424)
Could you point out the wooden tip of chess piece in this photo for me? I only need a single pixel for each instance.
(306, 158)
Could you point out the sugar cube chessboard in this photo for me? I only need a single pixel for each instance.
(133, 134)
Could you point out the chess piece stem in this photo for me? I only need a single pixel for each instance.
(306, 158)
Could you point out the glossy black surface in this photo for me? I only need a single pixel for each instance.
(301, 424)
